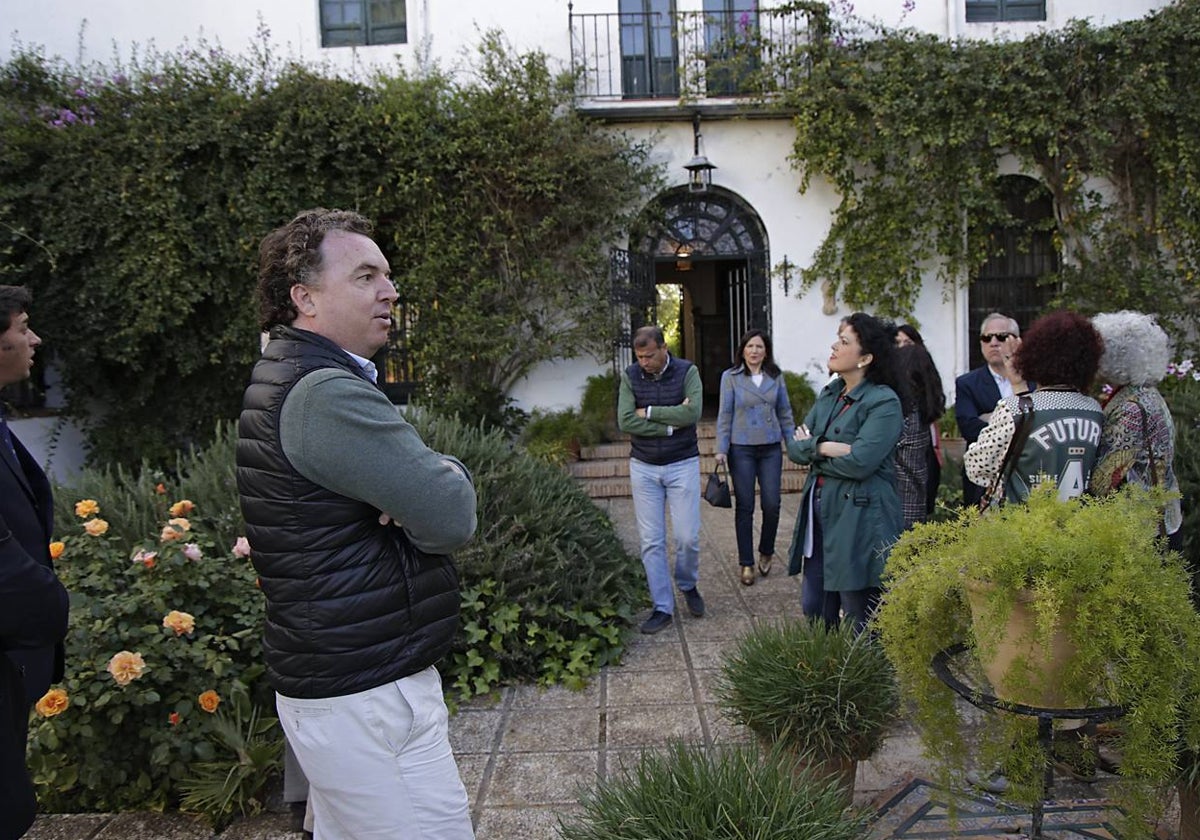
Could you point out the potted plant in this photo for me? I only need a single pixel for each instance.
(1091, 572)
(825, 695)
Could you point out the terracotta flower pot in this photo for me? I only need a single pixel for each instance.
(838, 769)
(1018, 640)
(1189, 811)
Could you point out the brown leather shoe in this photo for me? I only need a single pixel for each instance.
(747, 575)
(764, 564)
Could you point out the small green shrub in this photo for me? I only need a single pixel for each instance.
(1182, 393)
(800, 394)
(160, 631)
(948, 424)
(548, 587)
(826, 692)
(135, 500)
(598, 408)
(554, 436)
(249, 744)
(724, 793)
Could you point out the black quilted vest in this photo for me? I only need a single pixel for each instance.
(668, 388)
(351, 604)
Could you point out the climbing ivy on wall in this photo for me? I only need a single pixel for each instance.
(914, 130)
(132, 200)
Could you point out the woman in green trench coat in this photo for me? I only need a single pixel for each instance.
(850, 511)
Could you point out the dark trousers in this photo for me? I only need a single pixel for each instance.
(17, 802)
(748, 463)
(815, 602)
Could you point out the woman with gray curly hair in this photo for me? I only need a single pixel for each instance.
(1137, 444)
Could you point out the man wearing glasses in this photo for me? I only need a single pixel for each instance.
(977, 392)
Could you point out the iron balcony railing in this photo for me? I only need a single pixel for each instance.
(687, 55)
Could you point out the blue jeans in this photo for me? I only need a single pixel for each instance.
(815, 602)
(748, 462)
(654, 489)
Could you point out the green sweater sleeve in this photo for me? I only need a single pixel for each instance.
(684, 414)
(661, 416)
(342, 433)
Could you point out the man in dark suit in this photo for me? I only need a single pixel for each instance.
(33, 603)
(977, 392)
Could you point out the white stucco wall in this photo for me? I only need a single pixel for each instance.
(751, 155)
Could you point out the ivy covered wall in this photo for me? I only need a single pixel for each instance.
(132, 200)
(914, 130)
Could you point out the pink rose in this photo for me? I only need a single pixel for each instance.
(241, 548)
(192, 551)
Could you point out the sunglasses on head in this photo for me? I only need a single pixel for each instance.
(987, 337)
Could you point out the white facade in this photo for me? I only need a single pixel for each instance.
(751, 154)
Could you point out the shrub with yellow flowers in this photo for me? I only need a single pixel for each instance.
(161, 631)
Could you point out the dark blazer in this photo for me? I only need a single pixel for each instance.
(975, 393)
(33, 623)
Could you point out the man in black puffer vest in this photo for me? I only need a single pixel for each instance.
(350, 518)
(658, 404)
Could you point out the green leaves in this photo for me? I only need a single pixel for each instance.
(914, 132)
(137, 232)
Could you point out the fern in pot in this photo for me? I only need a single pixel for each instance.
(1092, 576)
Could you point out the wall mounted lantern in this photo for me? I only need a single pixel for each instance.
(699, 168)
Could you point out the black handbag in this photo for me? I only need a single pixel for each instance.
(716, 491)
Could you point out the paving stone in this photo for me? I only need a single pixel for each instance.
(523, 779)
(544, 730)
(557, 697)
(539, 823)
(474, 730)
(653, 726)
(640, 688)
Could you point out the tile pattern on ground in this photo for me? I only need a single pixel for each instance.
(921, 809)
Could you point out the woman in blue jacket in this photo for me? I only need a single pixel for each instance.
(753, 421)
(850, 512)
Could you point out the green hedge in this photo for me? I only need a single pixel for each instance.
(132, 200)
(547, 594)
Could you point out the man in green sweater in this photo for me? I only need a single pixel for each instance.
(350, 518)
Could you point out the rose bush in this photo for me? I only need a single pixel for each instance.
(160, 630)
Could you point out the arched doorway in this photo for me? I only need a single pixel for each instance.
(1022, 253)
(713, 246)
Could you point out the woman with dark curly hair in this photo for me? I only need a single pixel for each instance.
(849, 513)
(1060, 429)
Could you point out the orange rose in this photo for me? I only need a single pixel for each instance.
(95, 527)
(146, 558)
(173, 718)
(180, 523)
(160, 489)
(53, 702)
(180, 622)
(56, 549)
(182, 507)
(86, 507)
(126, 667)
(209, 701)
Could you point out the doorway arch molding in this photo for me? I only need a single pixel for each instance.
(715, 223)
